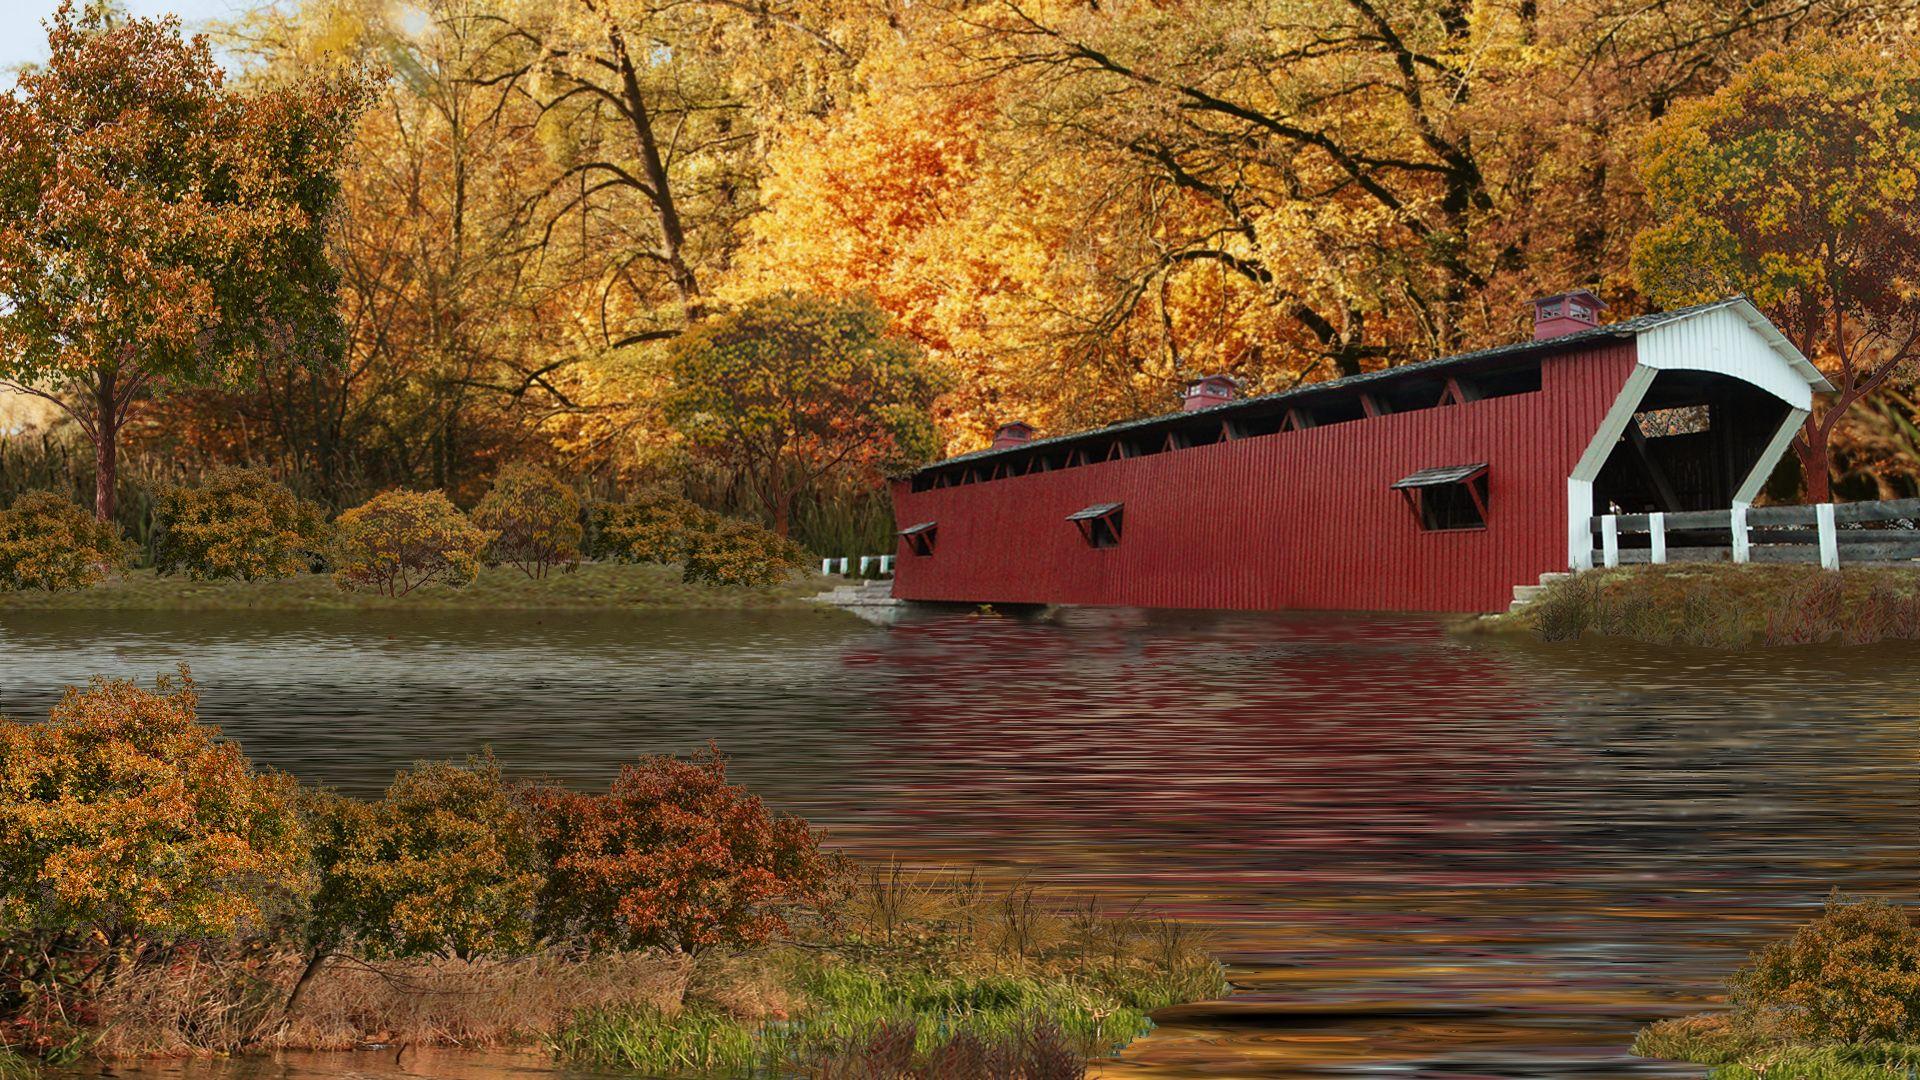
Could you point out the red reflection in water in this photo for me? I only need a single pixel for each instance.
(1305, 760)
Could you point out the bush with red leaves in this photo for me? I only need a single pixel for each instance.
(673, 856)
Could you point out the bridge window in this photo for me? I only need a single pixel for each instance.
(1503, 382)
(1099, 524)
(920, 538)
(1447, 498)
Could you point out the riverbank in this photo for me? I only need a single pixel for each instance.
(911, 966)
(594, 586)
(1723, 605)
(1836, 1000)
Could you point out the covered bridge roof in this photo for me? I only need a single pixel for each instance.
(1492, 359)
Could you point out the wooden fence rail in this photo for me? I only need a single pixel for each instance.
(1868, 532)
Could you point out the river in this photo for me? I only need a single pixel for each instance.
(1424, 855)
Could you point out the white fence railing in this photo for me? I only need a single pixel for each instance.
(882, 564)
(1830, 534)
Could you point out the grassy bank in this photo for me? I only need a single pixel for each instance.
(911, 970)
(1736, 1055)
(605, 586)
(1837, 1000)
(1725, 605)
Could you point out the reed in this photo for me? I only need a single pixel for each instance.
(15, 1067)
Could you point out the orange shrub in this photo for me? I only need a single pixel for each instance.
(47, 542)
(123, 815)
(674, 856)
(534, 519)
(1851, 975)
(237, 523)
(398, 541)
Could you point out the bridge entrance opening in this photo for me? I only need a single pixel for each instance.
(1694, 440)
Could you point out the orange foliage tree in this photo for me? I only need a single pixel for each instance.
(156, 228)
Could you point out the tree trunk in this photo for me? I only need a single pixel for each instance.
(1810, 446)
(673, 239)
(314, 963)
(106, 463)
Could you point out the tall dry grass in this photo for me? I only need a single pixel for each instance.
(220, 1005)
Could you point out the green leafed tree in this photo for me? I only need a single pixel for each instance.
(1796, 184)
(796, 391)
(157, 227)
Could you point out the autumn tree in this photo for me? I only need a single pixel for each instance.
(156, 228)
(1285, 189)
(793, 390)
(1795, 184)
(651, 115)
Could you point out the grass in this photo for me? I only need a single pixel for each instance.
(1734, 1055)
(847, 1006)
(923, 968)
(1726, 605)
(594, 586)
(15, 1067)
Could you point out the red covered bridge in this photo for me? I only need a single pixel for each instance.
(1435, 486)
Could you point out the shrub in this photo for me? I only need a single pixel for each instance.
(238, 523)
(660, 527)
(1851, 975)
(534, 518)
(674, 856)
(122, 815)
(398, 541)
(47, 542)
(741, 553)
(654, 527)
(446, 864)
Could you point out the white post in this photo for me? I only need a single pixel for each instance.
(1580, 524)
(1829, 541)
(1737, 519)
(865, 561)
(826, 566)
(1657, 531)
(1610, 540)
(843, 565)
(886, 564)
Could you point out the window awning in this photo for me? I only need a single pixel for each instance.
(1097, 510)
(916, 530)
(1441, 475)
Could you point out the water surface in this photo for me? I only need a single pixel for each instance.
(1425, 855)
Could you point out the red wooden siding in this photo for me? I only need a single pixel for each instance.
(1300, 520)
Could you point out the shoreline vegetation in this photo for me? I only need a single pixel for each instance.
(161, 896)
(590, 586)
(1723, 606)
(242, 541)
(1839, 999)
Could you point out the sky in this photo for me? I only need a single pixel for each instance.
(23, 39)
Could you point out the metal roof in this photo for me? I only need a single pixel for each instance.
(1625, 328)
(1443, 474)
(1097, 510)
(915, 530)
